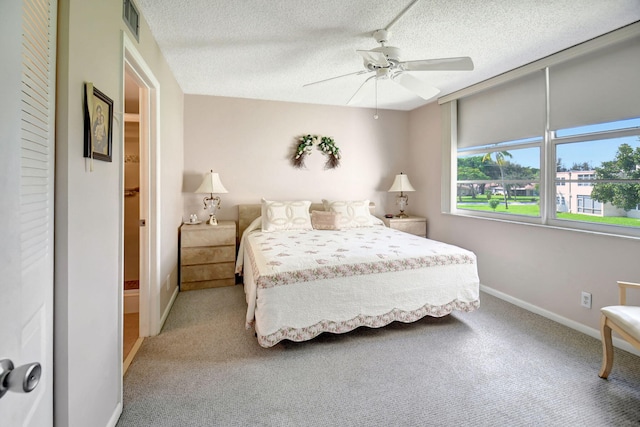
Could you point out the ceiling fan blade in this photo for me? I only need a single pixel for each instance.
(357, 96)
(416, 86)
(375, 57)
(337, 77)
(462, 63)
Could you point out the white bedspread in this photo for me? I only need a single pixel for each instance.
(300, 283)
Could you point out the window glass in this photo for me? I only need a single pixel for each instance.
(599, 180)
(504, 180)
(618, 125)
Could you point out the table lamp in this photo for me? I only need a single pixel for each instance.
(211, 184)
(402, 184)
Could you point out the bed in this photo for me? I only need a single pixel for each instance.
(341, 268)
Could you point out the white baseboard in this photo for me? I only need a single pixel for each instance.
(115, 416)
(595, 333)
(131, 301)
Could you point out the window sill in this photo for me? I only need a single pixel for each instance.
(535, 222)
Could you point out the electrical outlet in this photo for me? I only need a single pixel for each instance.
(168, 282)
(585, 300)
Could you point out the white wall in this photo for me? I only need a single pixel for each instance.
(542, 266)
(88, 229)
(249, 142)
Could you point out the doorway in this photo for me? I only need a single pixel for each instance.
(147, 86)
(132, 190)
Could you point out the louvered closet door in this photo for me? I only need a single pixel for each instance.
(27, 83)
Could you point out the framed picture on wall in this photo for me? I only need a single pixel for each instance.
(98, 124)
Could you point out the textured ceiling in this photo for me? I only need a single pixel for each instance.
(268, 49)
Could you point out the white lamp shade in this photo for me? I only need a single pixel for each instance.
(401, 183)
(211, 184)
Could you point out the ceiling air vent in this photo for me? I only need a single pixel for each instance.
(131, 16)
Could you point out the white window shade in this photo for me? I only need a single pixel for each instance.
(598, 87)
(511, 111)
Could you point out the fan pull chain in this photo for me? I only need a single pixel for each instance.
(375, 116)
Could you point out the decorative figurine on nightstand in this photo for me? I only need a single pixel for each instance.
(211, 184)
(402, 184)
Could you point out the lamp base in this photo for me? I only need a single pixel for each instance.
(212, 220)
(402, 201)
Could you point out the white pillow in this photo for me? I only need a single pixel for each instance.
(354, 213)
(286, 215)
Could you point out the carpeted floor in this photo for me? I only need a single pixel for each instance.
(497, 366)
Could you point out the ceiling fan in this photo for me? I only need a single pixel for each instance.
(385, 63)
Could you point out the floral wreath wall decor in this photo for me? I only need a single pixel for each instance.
(327, 146)
(303, 150)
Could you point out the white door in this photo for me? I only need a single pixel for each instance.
(27, 91)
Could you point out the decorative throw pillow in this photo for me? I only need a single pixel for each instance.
(285, 215)
(323, 220)
(354, 213)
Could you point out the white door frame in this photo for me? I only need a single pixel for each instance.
(133, 63)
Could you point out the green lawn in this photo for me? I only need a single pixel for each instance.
(615, 220)
(481, 198)
(533, 209)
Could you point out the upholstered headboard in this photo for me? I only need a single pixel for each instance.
(247, 213)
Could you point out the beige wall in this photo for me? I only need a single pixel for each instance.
(249, 142)
(543, 267)
(89, 206)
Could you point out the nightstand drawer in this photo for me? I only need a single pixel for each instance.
(205, 237)
(417, 228)
(208, 254)
(411, 224)
(195, 273)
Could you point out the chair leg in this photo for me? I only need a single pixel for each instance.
(607, 348)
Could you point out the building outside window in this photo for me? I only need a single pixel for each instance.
(585, 177)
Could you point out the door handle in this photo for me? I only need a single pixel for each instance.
(22, 379)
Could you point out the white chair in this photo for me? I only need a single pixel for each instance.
(625, 320)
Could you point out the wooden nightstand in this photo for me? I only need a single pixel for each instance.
(207, 255)
(413, 224)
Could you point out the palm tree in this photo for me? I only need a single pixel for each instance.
(500, 161)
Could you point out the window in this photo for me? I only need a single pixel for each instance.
(499, 141)
(562, 113)
(584, 177)
(589, 206)
(502, 178)
(604, 179)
